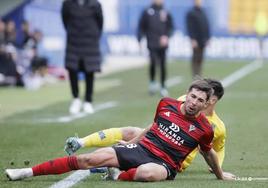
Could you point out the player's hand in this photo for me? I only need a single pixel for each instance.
(210, 170)
(228, 176)
(164, 41)
(72, 145)
(123, 142)
(194, 43)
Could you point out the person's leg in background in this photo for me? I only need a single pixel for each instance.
(76, 103)
(197, 61)
(89, 78)
(152, 70)
(163, 72)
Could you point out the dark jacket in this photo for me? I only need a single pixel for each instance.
(83, 24)
(198, 26)
(155, 22)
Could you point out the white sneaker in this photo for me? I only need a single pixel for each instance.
(153, 87)
(75, 106)
(18, 174)
(112, 174)
(164, 92)
(88, 108)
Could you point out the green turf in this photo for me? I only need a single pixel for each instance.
(244, 110)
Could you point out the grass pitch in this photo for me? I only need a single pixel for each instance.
(243, 109)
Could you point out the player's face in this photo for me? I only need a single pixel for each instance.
(195, 102)
(198, 3)
(158, 2)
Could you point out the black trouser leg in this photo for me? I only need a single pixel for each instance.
(73, 77)
(152, 68)
(162, 56)
(89, 77)
(197, 60)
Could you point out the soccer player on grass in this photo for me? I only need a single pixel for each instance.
(113, 135)
(156, 154)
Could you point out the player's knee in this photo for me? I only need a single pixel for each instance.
(84, 161)
(130, 132)
(144, 173)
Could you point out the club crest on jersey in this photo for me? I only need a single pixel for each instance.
(191, 128)
(167, 114)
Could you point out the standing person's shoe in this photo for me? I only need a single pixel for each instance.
(164, 92)
(153, 87)
(75, 106)
(18, 174)
(88, 108)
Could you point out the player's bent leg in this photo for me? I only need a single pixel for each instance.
(151, 172)
(101, 157)
(129, 133)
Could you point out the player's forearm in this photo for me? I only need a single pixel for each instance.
(212, 160)
(137, 138)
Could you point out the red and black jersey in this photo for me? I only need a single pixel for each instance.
(173, 135)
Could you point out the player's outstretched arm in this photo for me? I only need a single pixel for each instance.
(212, 160)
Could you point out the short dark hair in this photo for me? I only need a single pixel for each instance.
(202, 85)
(218, 89)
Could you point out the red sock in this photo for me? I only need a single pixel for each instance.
(56, 166)
(128, 175)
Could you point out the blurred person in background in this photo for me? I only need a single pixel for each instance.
(37, 69)
(10, 33)
(83, 22)
(26, 45)
(10, 40)
(38, 63)
(199, 32)
(8, 55)
(156, 24)
(2, 34)
(25, 35)
(261, 29)
(8, 72)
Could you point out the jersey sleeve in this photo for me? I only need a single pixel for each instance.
(160, 104)
(206, 141)
(142, 25)
(219, 146)
(221, 154)
(189, 159)
(182, 98)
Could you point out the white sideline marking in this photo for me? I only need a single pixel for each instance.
(71, 180)
(247, 95)
(173, 81)
(237, 75)
(69, 118)
(227, 81)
